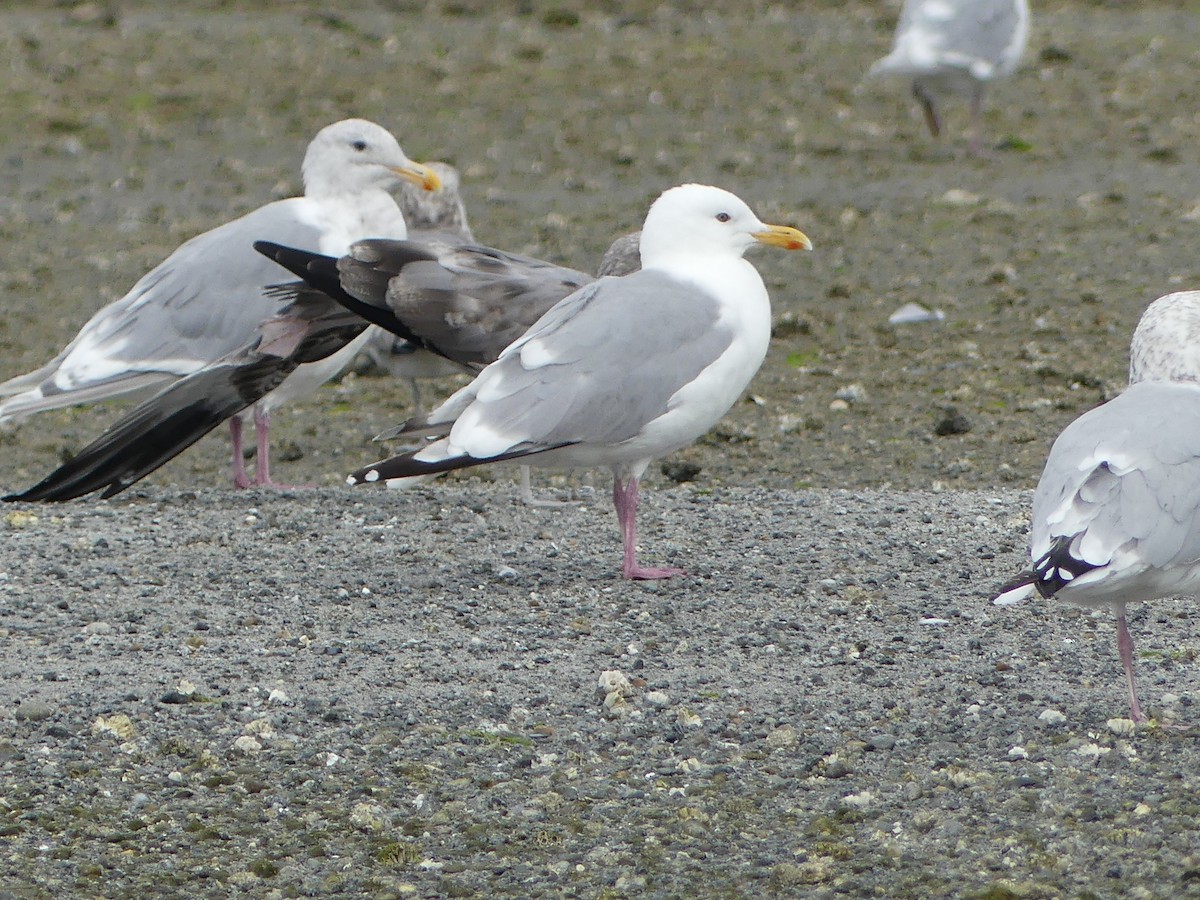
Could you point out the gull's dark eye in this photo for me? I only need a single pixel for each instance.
(360, 146)
(723, 217)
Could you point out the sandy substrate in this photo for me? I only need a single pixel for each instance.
(371, 693)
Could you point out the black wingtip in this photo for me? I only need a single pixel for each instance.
(321, 272)
(1057, 567)
(316, 269)
(406, 465)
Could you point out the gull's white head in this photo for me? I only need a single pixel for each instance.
(700, 220)
(354, 155)
(1166, 342)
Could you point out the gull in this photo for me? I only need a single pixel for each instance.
(956, 46)
(1116, 513)
(207, 299)
(626, 369)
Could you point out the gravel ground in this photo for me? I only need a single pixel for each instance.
(371, 693)
(391, 694)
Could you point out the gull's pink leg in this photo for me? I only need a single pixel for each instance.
(625, 500)
(262, 468)
(1125, 648)
(240, 478)
(262, 432)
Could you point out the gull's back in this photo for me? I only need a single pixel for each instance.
(979, 39)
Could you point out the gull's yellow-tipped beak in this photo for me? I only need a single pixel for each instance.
(783, 236)
(419, 174)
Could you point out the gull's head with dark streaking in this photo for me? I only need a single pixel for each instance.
(355, 155)
(1166, 342)
(437, 214)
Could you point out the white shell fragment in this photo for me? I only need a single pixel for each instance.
(911, 313)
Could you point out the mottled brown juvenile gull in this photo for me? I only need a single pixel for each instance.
(206, 299)
(626, 369)
(956, 47)
(1116, 514)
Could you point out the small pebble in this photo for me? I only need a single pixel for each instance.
(33, 711)
(246, 744)
(836, 769)
(861, 800)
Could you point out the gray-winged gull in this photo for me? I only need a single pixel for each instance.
(626, 369)
(1116, 514)
(956, 46)
(206, 299)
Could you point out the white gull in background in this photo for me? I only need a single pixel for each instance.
(206, 299)
(956, 47)
(626, 369)
(1116, 514)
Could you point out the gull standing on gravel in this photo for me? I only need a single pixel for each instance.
(626, 369)
(956, 47)
(1116, 514)
(206, 299)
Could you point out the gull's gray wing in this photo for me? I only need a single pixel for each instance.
(603, 363)
(595, 369)
(200, 303)
(307, 329)
(1121, 486)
